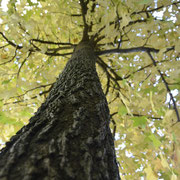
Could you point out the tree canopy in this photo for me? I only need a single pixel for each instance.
(138, 46)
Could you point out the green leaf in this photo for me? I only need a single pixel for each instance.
(155, 140)
(7, 120)
(30, 3)
(6, 81)
(145, 1)
(122, 111)
(25, 113)
(148, 90)
(28, 15)
(1, 103)
(174, 137)
(139, 121)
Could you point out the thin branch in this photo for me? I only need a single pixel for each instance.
(40, 94)
(117, 95)
(4, 46)
(57, 54)
(38, 87)
(155, 9)
(104, 67)
(34, 97)
(138, 115)
(166, 85)
(23, 63)
(51, 42)
(131, 50)
(117, 77)
(142, 68)
(10, 42)
(59, 48)
(136, 21)
(10, 59)
(127, 76)
(149, 117)
(128, 50)
(76, 15)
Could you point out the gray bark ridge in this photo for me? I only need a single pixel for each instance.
(69, 136)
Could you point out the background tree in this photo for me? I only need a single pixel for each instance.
(138, 46)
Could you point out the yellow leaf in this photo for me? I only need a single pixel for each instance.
(169, 116)
(150, 175)
(4, 56)
(125, 20)
(152, 104)
(173, 177)
(164, 161)
(160, 54)
(157, 164)
(75, 40)
(177, 46)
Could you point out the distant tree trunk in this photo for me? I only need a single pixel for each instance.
(69, 137)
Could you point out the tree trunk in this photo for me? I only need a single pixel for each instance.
(69, 137)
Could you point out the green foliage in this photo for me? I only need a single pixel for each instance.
(147, 132)
(139, 121)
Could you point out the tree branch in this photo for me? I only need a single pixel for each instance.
(104, 67)
(38, 87)
(10, 42)
(10, 59)
(138, 115)
(166, 85)
(4, 46)
(84, 9)
(128, 50)
(155, 9)
(40, 94)
(23, 63)
(142, 68)
(57, 54)
(51, 42)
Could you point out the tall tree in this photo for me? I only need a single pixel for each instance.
(135, 45)
(69, 137)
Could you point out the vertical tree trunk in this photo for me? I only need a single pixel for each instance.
(69, 137)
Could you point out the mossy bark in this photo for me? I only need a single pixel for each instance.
(69, 136)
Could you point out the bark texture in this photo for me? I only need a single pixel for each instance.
(69, 137)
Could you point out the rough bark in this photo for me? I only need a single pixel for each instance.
(69, 137)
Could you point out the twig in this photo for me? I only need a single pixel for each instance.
(10, 59)
(51, 42)
(57, 54)
(38, 87)
(4, 46)
(40, 94)
(166, 85)
(23, 64)
(104, 67)
(155, 9)
(138, 115)
(10, 42)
